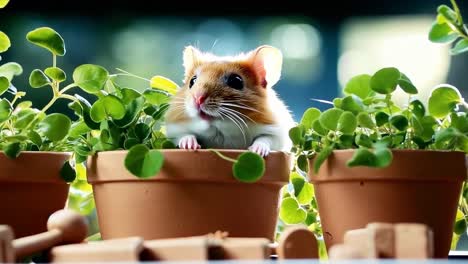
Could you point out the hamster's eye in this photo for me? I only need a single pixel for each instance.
(192, 81)
(235, 81)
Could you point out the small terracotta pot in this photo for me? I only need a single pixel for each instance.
(31, 190)
(194, 194)
(419, 186)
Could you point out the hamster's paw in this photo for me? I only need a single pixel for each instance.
(260, 148)
(189, 142)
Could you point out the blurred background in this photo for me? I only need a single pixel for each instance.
(324, 44)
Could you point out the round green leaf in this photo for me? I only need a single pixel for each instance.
(362, 157)
(303, 163)
(156, 97)
(291, 212)
(309, 116)
(381, 118)
(12, 150)
(383, 157)
(5, 110)
(329, 118)
(400, 122)
(56, 74)
(319, 129)
(133, 110)
(305, 195)
(108, 106)
(167, 144)
(163, 83)
(10, 69)
(385, 80)
(91, 78)
(78, 128)
(460, 227)
(296, 135)
(47, 38)
(128, 95)
(443, 100)
(347, 123)
(364, 120)
(448, 13)
(67, 173)
(55, 126)
(352, 104)
(249, 167)
(143, 162)
(460, 47)
(337, 102)
(38, 79)
(442, 33)
(359, 85)
(417, 108)
(4, 84)
(321, 157)
(130, 142)
(3, 3)
(5, 43)
(142, 131)
(35, 138)
(406, 85)
(363, 140)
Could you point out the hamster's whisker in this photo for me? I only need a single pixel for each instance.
(239, 106)
(239, 113)
(233, 113)
(228, 115)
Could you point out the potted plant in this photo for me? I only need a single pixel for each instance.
(372, 160)
(144, 186)
(35, 146)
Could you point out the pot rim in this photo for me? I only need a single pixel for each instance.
(33, 167)
(407, 166)
(277, 168)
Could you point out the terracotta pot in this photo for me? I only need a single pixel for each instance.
(419, 186)
(30, 190)
(194, 194)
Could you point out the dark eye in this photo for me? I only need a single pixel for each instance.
(235, 81)
(192, 81)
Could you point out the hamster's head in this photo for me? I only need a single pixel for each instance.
(230, 88)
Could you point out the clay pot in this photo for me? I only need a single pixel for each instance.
(31, 190)
(193, 194)
(419, 186)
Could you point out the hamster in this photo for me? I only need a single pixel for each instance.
(229, 103)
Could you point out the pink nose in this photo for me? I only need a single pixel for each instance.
(199, 100)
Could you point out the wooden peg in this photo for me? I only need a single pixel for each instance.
(242, 249)
(114, 250)
(177, 249)
(64, 227)
(297, 243)
(345, 251)
(7, 253)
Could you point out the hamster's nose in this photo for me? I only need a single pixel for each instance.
(199, 100)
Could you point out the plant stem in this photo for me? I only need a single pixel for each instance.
(457, 10)
(68, 87)
(126, 73)
(69, 97)
(222, 156)
(54, 60)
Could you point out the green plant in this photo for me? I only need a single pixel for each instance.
(449, 27)
(367, 119)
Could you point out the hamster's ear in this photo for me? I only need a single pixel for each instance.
(192, 58)
(266, 62)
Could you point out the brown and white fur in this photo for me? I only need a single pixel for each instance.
(213, 114)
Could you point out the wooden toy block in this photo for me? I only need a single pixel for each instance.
(297, 243)
(127, 249)
(241, 249)
(382, 237)
(345, 251)
(191, 248)
(7, 253)
(413, 241)
(360, 240)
